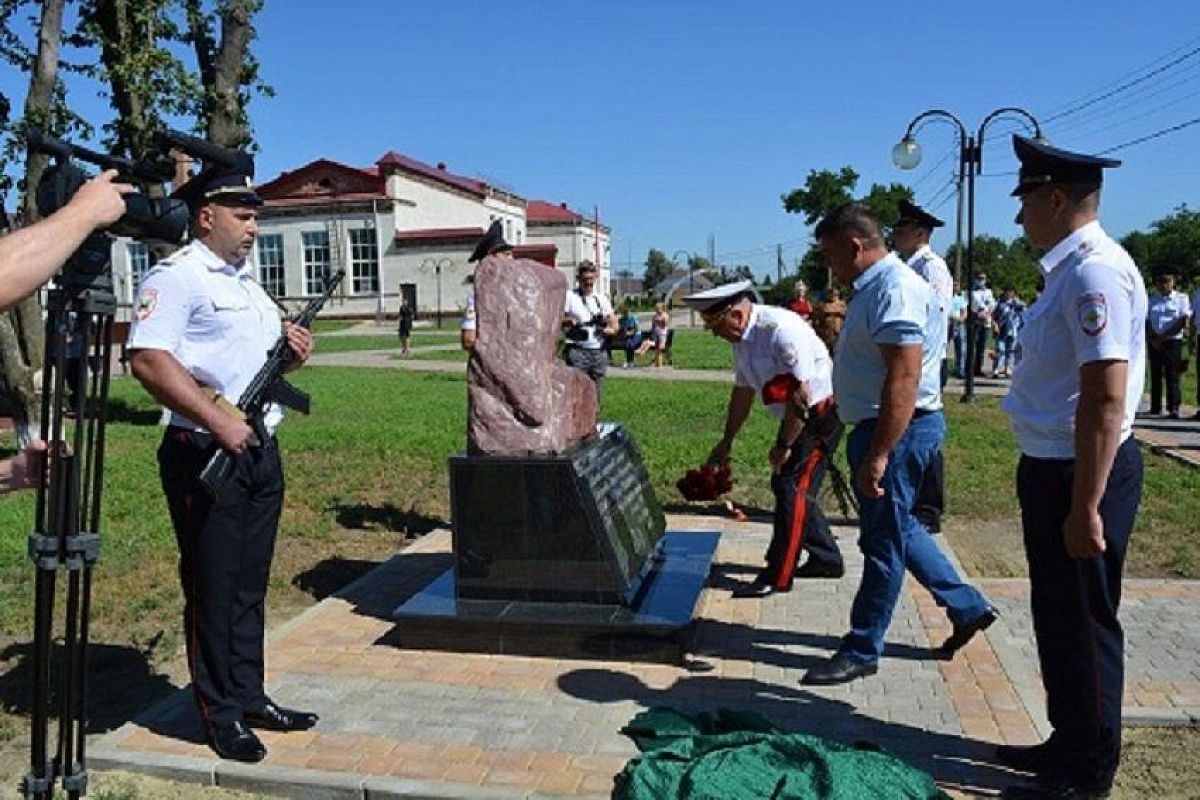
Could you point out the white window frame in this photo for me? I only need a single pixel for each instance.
(364, 261)
(271, 272)
(318, 260)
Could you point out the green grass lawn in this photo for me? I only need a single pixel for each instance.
(372, 457)
(692, 349)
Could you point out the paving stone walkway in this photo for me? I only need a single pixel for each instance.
(404, 723)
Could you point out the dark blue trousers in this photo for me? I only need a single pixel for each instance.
(225, 551)
(1081, 646)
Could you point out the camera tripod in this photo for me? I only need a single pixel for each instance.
(66, 534)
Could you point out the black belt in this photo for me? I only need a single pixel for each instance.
(917, 414)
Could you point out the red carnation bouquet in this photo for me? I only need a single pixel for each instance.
(706, 483)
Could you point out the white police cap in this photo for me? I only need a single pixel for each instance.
(718, 297)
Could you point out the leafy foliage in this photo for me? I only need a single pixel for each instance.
(658, 267)
(1171, 245)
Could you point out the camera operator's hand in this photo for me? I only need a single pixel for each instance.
(23, 470)
(101, 199)
(30, 257)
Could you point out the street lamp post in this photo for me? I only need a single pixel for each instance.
(907, 155)
(691, 282)
(436, 265)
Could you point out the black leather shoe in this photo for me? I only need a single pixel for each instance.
(838, 669)
(1053, 790)
(818, 569)
(1035, 758)
(962, 634)
(236, 742)
(273, 718)
(760, 587)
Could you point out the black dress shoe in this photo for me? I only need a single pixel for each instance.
(236, 742)
(760, 587)
(1035, 758)
(1053, 790)
(962, 634)
(273, 718)
(838, 669)
(819, 569)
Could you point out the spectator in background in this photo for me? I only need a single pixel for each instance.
(800, 303)
(829, 317)
(1006, 323)
(957, 320)
(404, 329)
(1196, 343)
(1166, 320)
(659, 328)
(630, 333)
(980, 305)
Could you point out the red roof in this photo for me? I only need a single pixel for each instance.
(541, 211)
(438, 173)
(347, 180)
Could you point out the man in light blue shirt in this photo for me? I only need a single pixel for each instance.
(886, 375)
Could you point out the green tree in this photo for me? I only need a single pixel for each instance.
(824, 190)
(658, 267)
(1171, 245)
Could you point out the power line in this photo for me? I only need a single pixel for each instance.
(1150, 136)
(1122, 87)
(1101, 113)
(1125, 121)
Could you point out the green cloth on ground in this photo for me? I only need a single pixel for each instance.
(741, 756)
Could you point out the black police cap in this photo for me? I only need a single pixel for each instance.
(218, 183)
(1042, 164)
(492, 242)
(911, 212)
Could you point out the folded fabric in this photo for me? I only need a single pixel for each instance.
(739, 755)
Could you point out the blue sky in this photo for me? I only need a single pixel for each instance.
(681, 120)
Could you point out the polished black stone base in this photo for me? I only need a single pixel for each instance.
(657, 627)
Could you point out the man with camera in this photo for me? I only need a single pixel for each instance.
(587, 319)
(202, 329)
(30, 257)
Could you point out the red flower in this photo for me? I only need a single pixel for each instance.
(705, 483)
(780, 389)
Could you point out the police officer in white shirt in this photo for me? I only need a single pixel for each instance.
(588, 318)
(778, 355)
(1166, 321)
(492, 244)
(202, 322)
(980, 305)
(1076, 388)
(1196, 342)
(910, 237)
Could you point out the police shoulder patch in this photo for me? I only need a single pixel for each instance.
(788, 355)
(1092, 311)
(147, 301)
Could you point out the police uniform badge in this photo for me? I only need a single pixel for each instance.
(1092, 312)
(147, 300)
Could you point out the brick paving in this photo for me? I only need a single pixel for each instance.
(406, 723)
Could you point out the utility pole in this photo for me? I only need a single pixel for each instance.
(778, 263)
(712, 254)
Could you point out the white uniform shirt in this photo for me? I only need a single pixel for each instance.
(1093, 309)
(468, 320)
(584, 309)
(777, 342)
(1166, 311)
(983, 302)
(932, 267)
(212, 317)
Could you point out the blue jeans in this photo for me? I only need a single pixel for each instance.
(892, 540)
(1005, 347)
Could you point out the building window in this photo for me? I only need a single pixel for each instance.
(139, 262)
(364, 261)
(316, 260)
(270, 263)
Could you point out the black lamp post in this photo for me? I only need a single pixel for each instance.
(907, 155)
(436, 265)
(691, 282)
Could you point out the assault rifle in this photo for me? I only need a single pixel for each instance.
(268, 386)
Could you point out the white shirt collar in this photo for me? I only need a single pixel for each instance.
(751, 321)
(1056, 254)
(917, 256)
(217, 264)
